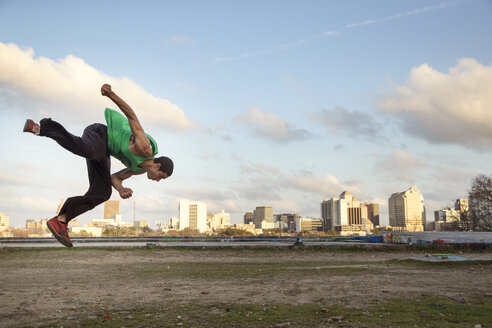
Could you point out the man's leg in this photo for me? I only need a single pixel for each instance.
(92, 144)
(99, 191)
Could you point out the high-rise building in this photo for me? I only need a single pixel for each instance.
(342, 211)
(309, 224)
(173, 223)
(248, 217)
(218, 220)
(262, 213)
(4, 222)
(140, 224)
(288, 220)
(461, 205)
(192, 215)
(327, 213)
(111, 208)
(35, 224)
(407, 210)
(446, 215)
(250, 227)
(373, 213)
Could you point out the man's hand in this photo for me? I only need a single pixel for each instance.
(126, 193)
(106, 90)
(117, 182)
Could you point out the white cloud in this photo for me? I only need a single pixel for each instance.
(412, 12)
(327, 186)
(260, 169)
(217, 131)
(259, 191)
(38, 205)
(70, 86)
(325, 34)
(445, 108)
(352, 123)
(400, 166)
(383, 202)
(269, 126)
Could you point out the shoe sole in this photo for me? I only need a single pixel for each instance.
(62, 240)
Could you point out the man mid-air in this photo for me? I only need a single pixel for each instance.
(122, 138)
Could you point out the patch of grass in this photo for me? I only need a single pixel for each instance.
(426, 311)
(235, 270)
(442, 264)
(423, 312)
(268, 249)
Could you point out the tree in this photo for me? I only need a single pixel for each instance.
(230, 231)
(20, 233)
(480, 203)
(463, 222)
(186, 232)
(460, 220)
(272, 232)
(146, 230)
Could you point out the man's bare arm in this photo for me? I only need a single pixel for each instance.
(117, 182)
(142, 143)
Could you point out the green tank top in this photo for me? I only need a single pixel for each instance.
(119, 134)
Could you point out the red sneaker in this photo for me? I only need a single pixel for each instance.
(31, 126)
(59, 230)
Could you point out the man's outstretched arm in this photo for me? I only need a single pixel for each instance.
(142, 143)
(117, 182)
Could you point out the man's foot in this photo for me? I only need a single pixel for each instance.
(31, 126)
(59, 230)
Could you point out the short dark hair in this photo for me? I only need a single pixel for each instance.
(167, 165)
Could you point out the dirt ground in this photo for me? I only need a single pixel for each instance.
(38, 286)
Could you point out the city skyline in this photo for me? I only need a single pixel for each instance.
(345, 215)
(279, 103)
(262, 213)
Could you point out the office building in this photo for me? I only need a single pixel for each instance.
(219, 220)
(327, 213)
(249, 227)
(192, 215)
(309, 224)
(342, 211)
(288, 220)
(268, 225)
(111, 208)
(372, 213)
(140, 224)
(262, 213)
(461, 205)
(87, 230)
(35, 224)
(447, 215)
(407, 210)
(4, 222)
(173, 223)
(248, 217)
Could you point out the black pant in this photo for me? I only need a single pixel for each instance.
(93, 146)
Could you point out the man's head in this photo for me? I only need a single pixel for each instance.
(163, 168)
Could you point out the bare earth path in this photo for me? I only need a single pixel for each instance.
(43, 286)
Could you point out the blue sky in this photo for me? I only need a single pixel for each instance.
(279, 103)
